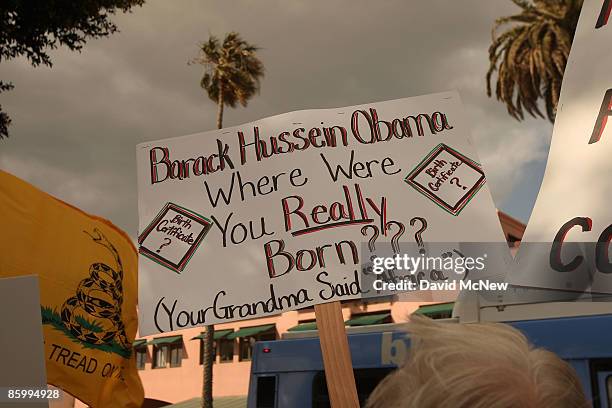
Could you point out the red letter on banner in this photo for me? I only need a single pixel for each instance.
(602, 118)
(604, 14)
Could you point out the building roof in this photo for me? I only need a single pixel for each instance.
(511, 225)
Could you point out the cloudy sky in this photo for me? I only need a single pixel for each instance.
(75, 126)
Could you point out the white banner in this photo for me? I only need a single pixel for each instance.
(270, 216)
(573, 204)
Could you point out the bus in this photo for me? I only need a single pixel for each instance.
(289, 372)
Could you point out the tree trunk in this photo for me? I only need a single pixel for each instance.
(220, 108)
(207, 364)
(209, 331)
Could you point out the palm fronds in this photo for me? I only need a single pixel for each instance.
(231, 66)
(530, 56)
(52, 317)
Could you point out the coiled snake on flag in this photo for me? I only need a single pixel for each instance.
(99, 296)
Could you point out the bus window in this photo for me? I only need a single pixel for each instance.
(266, 392)
(366, 379)
(601, 382)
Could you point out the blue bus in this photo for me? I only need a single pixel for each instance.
(289, 372)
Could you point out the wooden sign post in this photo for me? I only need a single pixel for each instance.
(336, 356)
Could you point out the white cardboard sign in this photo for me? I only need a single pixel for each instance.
(573, 204)
(269, 216)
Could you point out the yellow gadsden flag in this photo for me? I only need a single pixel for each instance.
(88, 277)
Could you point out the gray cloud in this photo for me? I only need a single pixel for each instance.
(76, 125)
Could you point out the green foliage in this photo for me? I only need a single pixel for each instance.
(49, 316)
(89, 325)
(530, 56)
(31, 28)
(5, 120)
(231, 66)
(53, 318)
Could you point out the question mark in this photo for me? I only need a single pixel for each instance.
(417, 235)
(164, 244)
(396, 237)
(457, 182)
(371, 241)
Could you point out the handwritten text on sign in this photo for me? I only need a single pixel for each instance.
(573, 204)
(279, 206)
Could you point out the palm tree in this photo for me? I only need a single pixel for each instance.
(232, 74)
(530, 56)
(232, 71)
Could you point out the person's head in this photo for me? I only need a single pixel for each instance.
(480, 365)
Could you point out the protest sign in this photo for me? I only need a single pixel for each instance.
(269, 216)
(87, 273)
(573, 205)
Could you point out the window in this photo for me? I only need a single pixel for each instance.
(159, 356)
(226, 350)
(366, 379)
(176, 354)
(141, 357)
(246, 342)
(223, 347)
(601, 381)
(246, 348)
(214, 356)
(165, 354)
(266, 392)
